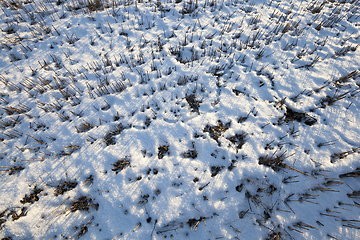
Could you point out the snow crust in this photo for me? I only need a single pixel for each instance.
(179, 119)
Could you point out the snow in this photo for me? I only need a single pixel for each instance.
(179, 119)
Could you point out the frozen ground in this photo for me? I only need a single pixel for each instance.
(179, 119)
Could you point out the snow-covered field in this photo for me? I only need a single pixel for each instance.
(180, 119)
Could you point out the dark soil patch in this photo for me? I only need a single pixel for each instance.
(190, 154)
(110, 136)
(215, 131)
(292, 115)
(83, 203)
(64, 187)
(163, 149)
(275, 162)
(33, 197)
(193, 103)
(121, 164)
(193, 223)
(238, 140)
(215, 170)
(15, 215)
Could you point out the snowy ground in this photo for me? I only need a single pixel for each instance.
(180, 119)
